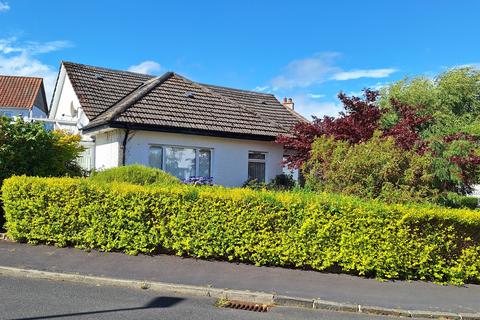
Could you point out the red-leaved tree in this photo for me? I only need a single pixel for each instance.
(406, 131)
(356, 124)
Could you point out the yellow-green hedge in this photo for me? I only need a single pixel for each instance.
(319, 232)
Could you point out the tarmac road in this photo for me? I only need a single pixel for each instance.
(34, 299)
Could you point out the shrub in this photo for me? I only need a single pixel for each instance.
(282, 182)
(292, 229)
(135, 174)
(2, 214)
(375, 169)
(254, 184)
(454, 200)
(28, 148)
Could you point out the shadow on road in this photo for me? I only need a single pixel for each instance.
(159, 302)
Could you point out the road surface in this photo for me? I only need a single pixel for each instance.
(34, 299)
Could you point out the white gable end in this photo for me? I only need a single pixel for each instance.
(66, 106)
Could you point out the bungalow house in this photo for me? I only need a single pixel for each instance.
(22, 97)
(170, 122)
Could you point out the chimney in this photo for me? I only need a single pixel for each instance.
(288, 103)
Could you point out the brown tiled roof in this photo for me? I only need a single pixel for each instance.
(172, 102)
(19, 92)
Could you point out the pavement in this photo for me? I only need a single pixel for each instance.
(37, 299)
(301, 284)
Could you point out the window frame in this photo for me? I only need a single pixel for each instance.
(197, 158)
(264, 161)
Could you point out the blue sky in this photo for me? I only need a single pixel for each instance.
(308, 50)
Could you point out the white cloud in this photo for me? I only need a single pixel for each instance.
(306, 72)
(20, 59)
(46, 47)
(308, 106)
(4, 6)
(12, 45)
(146, 67)
(7, 45)
(379, 86)
(316, 95)
(261, 88)
(357, 74)
(321, 68)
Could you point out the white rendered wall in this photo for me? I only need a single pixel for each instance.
(229, 156)
(107, 149)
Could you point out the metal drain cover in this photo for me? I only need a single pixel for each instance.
(249, 306)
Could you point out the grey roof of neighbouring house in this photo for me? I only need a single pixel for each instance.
(173, 103)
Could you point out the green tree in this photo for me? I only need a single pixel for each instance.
(28, 148)
(452, 99)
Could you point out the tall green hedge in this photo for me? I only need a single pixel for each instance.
(289, 229)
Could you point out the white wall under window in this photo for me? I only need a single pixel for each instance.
(229, 157)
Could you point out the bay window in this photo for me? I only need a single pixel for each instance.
(182, 162)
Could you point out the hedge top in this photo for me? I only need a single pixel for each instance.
(157, 181)
(136, 174)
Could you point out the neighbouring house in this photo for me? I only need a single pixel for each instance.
(186, 128)
(22, 97)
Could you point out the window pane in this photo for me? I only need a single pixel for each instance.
(256, 171)
(180, 162)
(204, 163)
(256, 155)
(155, 158)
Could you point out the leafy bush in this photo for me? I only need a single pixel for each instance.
(375, 169)
(135, 174)
(454, 200)
(254, 184)
(282, 182)
(292, 229)
(28, 148)
(2, 214)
